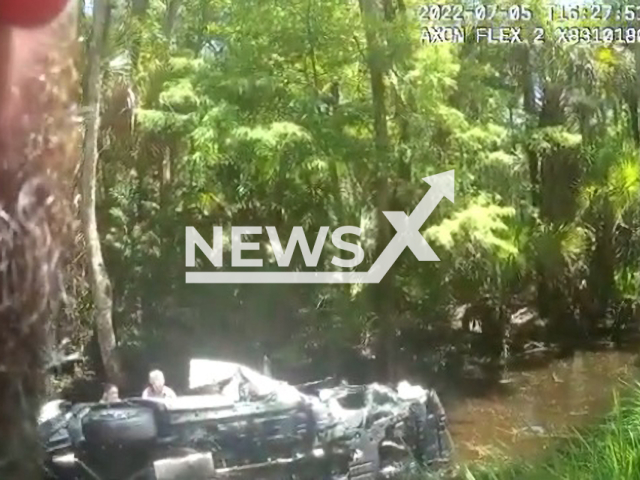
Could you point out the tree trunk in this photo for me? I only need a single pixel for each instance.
(139, 10)
(560, 179)
(165, 175)
(631, 101)
(173, 7)
(529, 101)
(383, 292)
(603, 265)
(139, 7)
(636, 108)
(99, 279)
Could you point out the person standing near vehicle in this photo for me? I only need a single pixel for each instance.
(157, 388)
(110, 394)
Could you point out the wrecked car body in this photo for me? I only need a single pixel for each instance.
(238, 423)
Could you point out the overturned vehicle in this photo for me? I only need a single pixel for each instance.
(238, 423)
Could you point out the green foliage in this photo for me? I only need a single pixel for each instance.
(481, 225)
(260, 113)
(545, 140)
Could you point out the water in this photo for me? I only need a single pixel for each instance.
(538, 405)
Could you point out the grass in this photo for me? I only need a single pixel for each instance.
(607, 451)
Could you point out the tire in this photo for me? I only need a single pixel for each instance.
(417, 430)
(120, 426)
(428, 435)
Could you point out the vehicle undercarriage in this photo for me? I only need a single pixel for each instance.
(241, 424)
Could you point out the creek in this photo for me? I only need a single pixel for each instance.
(534, 406)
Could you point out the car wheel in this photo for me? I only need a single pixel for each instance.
(119, 425)
(426, 436)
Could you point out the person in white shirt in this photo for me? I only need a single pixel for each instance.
(157, 388)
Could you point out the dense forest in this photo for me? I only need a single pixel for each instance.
(327, 113)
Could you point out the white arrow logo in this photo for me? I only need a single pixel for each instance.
(408, 235)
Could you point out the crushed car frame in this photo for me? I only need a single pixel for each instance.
(238, 423)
